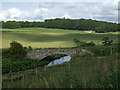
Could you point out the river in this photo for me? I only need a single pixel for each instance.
(60, 61)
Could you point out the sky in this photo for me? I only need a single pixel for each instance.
(31, 10)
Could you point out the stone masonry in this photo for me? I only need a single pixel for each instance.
(42, 53)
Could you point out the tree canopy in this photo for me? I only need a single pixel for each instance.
(62, 23)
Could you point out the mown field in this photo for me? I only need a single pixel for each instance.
(50, 38)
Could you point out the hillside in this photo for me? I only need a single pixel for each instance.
(51, 38)
(62, 23)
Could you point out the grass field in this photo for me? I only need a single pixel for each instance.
(50, 38)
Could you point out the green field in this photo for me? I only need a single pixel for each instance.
(50, 38)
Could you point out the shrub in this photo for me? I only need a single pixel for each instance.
(107, 41)
(116, 47)
(16, 51)
(18, 65)
(100, 50)
(76, 42)
(83, 44)
(29, 48)
(91, 43)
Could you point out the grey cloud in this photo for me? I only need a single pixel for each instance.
(103, 11)
(92, 10)
(69, 5)
(48, 4)
(107, 18)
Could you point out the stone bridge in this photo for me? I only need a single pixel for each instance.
(42, 53)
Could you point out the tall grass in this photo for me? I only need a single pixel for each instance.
(81, 72)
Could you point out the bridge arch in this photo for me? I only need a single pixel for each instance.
(48, 55)
(46, 60)
(42, 53)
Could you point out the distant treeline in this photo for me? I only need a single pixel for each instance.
(62, 23)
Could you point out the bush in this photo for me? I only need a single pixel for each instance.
(76, 42)
(107, 41)
(116, 47)
(19, 65)
(83, 44)
(29, 48)
(16, 51)
(91, 43)
(100, 50)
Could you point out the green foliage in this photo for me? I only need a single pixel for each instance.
(81, 72)
(91, 43)
(111, 81)
(100, 30)
(83, 44)
(100, 50)
(76, 42)
(18, 65)
(17, 51)
(11, 24)
(29, 48)
(107, 41)
(116, 47)
(62, 23)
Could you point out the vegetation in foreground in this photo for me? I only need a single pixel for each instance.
(14, 59)
(83, 71)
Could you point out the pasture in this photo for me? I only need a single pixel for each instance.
(50, 38)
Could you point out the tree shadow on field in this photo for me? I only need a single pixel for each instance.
(35, 37)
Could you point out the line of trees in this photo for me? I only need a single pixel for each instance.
(62, 23)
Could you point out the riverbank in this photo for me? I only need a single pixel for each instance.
(81, 72)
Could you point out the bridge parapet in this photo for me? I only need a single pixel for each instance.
(41, 53)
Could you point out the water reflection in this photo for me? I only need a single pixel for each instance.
(60, 61)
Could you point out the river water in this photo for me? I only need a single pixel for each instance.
(60, 61)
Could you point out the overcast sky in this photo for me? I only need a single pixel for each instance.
(106, 10)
